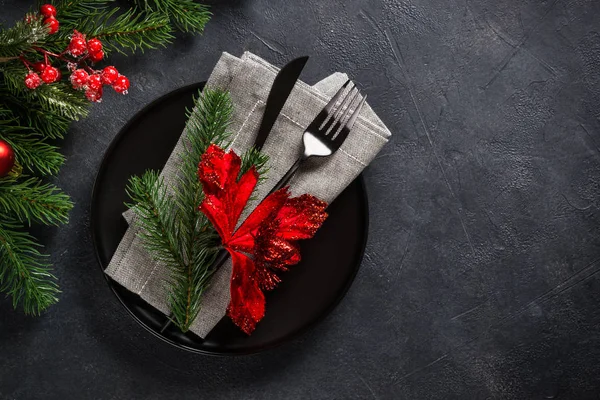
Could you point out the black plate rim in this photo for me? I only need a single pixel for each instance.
(113, 285)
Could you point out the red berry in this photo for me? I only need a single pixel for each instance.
(52, 24)
(94, 82)
(32, 80)
(94, 46)
(77, 45)
(50, 74)
(94, 95)
(39, 66)
(79, 78)
(109, 75)
(48, 10)
(95, 57)
(121, 84)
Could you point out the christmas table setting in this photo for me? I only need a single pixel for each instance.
(345, 200)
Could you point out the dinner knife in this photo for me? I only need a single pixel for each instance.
(280, 91)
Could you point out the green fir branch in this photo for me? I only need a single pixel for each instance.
(30, 200)
(207, 124)
(186, 15)
(58, 98)
(129, 30)
(175, 231)
(24, 271)
(20, 38)
(31, 150)
(156, 218)
(30, 121)
(71, 11)
(45, 123)
(35, 155)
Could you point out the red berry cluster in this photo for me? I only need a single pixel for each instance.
(92, 83)
(48, 73)
(92, 49)
(48, 11)
(82, 76)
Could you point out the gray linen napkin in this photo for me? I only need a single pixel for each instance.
(249, 79)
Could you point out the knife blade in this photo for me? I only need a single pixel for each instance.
(282, 87)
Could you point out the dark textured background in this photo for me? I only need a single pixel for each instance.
(480, 279)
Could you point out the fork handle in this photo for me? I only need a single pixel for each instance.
(288, 175)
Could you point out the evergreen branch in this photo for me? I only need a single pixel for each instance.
(186, 15)
(257, 159)
(209, 120)
(32, 201)
(24, 273)
(29, 119)
(72, 10)
(18, 39)
(32, 115)
(7, 59)
(45, 123)
(175, 231)
(35, 155)
(59, 98)
(31, 151)
(211, 116)
(156, 218)
(130, 30)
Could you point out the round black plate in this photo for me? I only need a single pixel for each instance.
(308, 292)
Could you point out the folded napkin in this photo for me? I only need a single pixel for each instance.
(249, 79)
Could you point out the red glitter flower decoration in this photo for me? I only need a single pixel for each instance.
(265, 242)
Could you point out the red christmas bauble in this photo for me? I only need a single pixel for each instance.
(7, 158)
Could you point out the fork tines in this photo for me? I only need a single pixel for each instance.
(339, 118)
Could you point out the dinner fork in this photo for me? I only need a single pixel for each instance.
(328, 130)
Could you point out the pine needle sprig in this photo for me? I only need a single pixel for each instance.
(32, 120)
(59, 98)
(186, 15)
(30, 200)
(24, 272)
(32, 151)
(35, 155)
(19, 39)
(150, 203)
(129, 30)
(45, 123)
(173, 213)
(73, 10)
(208, 123)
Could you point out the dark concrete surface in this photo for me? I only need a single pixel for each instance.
(481, 274)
